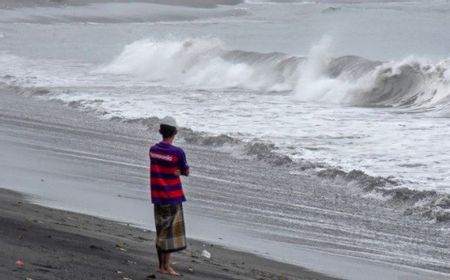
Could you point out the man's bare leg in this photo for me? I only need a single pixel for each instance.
(166, 268)
(161, 261)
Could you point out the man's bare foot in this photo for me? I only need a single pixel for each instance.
(163, 271)
(168, 271)
(172, 272)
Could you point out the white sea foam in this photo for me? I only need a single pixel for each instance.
(216, 90)
(203, 63)
(207, 63)
(313, 82)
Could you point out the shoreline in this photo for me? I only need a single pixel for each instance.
(56, 244)
(64, 158)
(12, 4)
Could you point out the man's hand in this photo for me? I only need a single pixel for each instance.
(178, 172)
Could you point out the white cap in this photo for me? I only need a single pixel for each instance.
(169, 121)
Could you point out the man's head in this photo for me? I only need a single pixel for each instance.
(168, 128)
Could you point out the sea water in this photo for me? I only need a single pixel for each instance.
(339, 85)
(352, 85)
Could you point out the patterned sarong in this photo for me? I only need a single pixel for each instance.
(170, 230)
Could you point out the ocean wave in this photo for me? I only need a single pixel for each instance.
(431, 205)
(352, 80)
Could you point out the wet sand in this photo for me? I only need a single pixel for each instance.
(55, 244)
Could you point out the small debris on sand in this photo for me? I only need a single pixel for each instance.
(20, 263)
(206, 254)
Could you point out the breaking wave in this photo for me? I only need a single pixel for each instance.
(352, 80)
(409, 84)
(431, 205)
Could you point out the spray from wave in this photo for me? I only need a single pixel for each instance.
(207, 63)
(202, 63)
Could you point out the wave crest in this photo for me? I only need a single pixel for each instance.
(206, 63)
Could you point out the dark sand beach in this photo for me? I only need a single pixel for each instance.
(55, 244)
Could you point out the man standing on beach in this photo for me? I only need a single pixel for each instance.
(167, 164)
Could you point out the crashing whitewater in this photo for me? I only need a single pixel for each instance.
(351, 80)
(409, 86)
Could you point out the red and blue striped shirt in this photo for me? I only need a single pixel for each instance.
(165, 185)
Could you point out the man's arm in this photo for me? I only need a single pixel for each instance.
(186, 172)
(182, 164)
